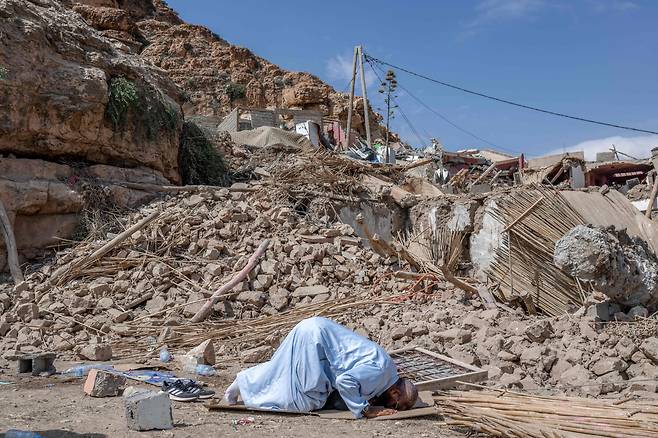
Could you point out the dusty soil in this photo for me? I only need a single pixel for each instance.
(57, 407)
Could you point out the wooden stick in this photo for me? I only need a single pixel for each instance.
(484, 174)
(652, 197)
(251, 264)
(10, 243)
(100, 252)
(524, 214)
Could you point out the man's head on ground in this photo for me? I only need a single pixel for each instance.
(401, 396)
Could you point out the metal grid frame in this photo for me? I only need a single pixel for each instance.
(433, 371)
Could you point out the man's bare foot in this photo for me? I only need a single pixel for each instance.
(232, 393)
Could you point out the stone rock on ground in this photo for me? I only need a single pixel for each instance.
(257, 355)
(96, 352)
(101, 383)
(148, 411)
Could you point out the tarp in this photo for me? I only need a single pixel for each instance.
(266, 136)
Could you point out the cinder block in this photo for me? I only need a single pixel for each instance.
(101, 383)
(149, 411)
(35, 363)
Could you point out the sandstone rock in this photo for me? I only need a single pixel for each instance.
(96, 352)
(82, 86)
(257, 355)
(204, 353)
(254, 298)
(650, 348)
(400, 332)
(455, 335)
(310, 291)
(607, 365)
(539, 331)
(101, 383)
(575, 376)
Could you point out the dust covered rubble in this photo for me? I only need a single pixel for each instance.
(193, 248)
(163, 273)
(574, 354)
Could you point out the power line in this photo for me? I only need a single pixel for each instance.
(404, 116)
(509, 102)
(447, 120)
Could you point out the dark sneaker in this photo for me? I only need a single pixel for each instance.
(178, 391)
(199, 391)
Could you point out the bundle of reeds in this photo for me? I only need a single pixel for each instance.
(523, 264)
(256, 331)
(509, 414)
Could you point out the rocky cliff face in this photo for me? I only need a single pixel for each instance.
(215, 75)
(55, 93)
(75, 105)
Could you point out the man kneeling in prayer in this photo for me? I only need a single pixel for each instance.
(321, 364)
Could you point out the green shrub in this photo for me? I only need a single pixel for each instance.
(3, 73)
(200, 162)
(151, 111)
(123, 97)
(155, 114)
(235, 91)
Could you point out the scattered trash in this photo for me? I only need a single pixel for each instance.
(244, 421)
(165, 356)
(83, 370)
(205, 370)
(13, 433)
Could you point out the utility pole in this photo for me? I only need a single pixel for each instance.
(349, 109)
(365, 97)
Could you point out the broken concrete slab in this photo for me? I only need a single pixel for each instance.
(148, 411)
(102, 383)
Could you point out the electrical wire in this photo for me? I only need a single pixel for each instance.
(404, 116)
(447, 120)
(509, 102)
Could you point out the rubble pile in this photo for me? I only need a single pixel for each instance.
(194, 246)
(578, 354)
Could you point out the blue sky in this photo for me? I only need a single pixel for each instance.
(592, 58)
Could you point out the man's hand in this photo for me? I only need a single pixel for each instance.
(377, 411)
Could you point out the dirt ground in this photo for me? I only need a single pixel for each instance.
(57, 407)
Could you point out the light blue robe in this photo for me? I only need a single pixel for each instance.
(315, 358)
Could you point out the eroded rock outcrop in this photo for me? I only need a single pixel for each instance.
(215, 75)
(56, 92)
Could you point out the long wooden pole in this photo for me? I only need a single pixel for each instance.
(10, 243)
(365, 97)
(251, 264)
(652, 197)
(351, 106)
(100, 252)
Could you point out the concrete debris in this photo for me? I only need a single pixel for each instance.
(102, 383)
(617, 265)
(148, 411)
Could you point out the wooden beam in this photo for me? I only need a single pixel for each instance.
(365, 98)
(351, 104)
(203, 313)
(100, 252)
(652, 197)
(10, 243)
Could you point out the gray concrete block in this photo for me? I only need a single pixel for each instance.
(148, 411)
(35, 363)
